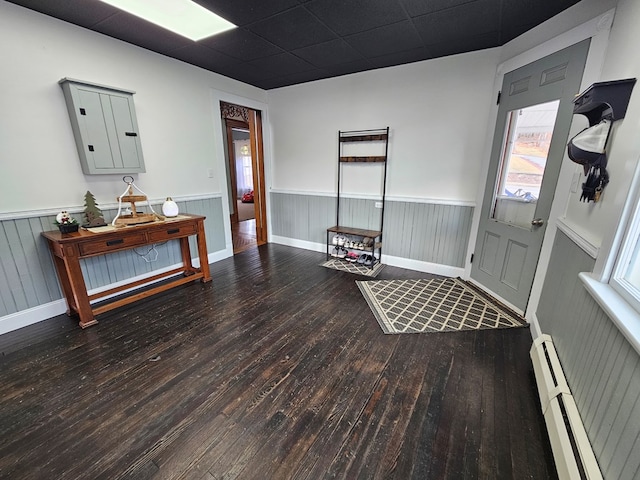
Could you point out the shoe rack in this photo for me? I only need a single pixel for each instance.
(347, 243)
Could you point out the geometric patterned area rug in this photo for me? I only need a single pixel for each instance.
(434, 305)
(357, 268)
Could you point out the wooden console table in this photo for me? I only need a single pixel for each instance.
(68, 249)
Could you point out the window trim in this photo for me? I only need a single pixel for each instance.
(606, 284)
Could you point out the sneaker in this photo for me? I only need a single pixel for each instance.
(341, 240)
(362, 258)
(334, 252)
(368, 261)
(335, 240)
(352, 257)
(342, 252)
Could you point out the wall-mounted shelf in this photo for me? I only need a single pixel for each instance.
(604, 100)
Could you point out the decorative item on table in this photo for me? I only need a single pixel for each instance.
(92, 214)
(133, 218)
(66, 223)
(170, 208)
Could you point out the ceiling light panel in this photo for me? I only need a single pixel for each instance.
(183, 17)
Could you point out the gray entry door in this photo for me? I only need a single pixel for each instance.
(532, 129)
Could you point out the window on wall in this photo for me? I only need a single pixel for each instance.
(617, 288)
(244, 170)
(625, 278)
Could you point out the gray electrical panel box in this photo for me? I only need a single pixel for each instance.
(105, 128)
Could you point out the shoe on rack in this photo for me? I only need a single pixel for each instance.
(342, 252)
(335, 240)
(362, 258)
(334, 252)
(341, 240)
(368, 261)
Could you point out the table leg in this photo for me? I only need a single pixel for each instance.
(73, 272)
(64, 283)
(186, 256)
(202, 252)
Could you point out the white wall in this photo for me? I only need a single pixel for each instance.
(40, 169)
(599, 221)
(437, 111)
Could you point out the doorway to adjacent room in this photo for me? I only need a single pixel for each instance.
(245, 175)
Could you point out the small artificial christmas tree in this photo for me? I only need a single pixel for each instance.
(92, 213)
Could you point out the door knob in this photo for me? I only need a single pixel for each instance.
(537, 222)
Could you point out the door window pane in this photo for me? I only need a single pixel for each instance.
(525, 150)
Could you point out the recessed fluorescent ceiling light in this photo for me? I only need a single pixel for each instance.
(183, 17)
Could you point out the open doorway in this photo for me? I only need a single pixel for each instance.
(245, 174)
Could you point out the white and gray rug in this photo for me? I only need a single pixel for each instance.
(357, 268)
(434, 305)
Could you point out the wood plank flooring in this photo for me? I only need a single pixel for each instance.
(243, 235)
(275, 370)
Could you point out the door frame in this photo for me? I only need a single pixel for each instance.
(230, 124)
(514, 252)
(221, 161)
(597, 29)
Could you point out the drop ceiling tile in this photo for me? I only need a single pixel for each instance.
(242, 44)
(332, 52)
(386, 40)
(460, 22)
(132, 29)
(471, 44)
(353, 16)
(293, 29)
(83, 13)
(294, 79)
(347, 68)
(203, 56)
(513, 30)
(280, 65)
(243, 73)
(401, 58)
(244, 12)
(515, 23)
(312, 28)
(416, 8)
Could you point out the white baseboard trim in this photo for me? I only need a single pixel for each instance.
(421, 266)
(27, 317)
(24, 318)
(536, 331)
(294, 242)
(417, 265)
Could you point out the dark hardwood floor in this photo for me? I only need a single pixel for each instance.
(243, 235)
(275, 370)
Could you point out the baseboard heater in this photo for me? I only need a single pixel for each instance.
(572, 450)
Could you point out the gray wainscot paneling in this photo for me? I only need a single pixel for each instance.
(602, 368)
(27, 275)
(427, 232)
